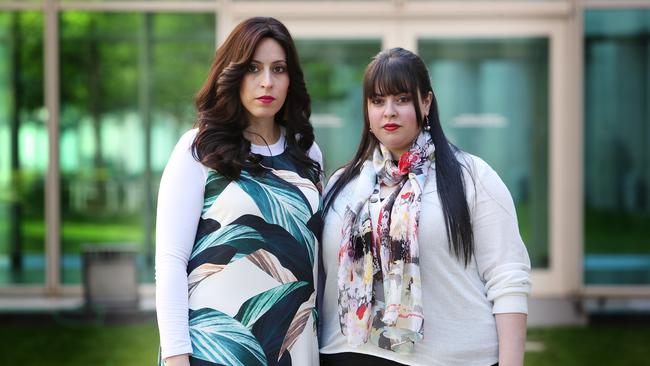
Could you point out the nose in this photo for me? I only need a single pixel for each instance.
(267, 79)
(389, 109)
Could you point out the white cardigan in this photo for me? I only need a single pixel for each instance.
(459, 302)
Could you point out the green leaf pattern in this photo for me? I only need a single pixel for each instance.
(229, 340)
(283, 205)
(217, 337)
(256, 306)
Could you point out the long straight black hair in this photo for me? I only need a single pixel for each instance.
(397, 71)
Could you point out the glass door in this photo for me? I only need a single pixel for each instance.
(617, 148)
(499, 95)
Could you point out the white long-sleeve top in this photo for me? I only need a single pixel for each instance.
(180, 201)
(459, 302)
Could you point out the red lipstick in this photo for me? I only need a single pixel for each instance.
(266, 99)
(391, 127)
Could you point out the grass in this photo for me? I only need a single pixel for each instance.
(596, 345)
(77, 345)
(125, 345)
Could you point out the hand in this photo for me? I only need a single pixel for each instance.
(178, 360)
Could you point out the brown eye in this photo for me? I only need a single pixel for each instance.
(376, 101)
(279, 69)
(403, 99)
(253, 68)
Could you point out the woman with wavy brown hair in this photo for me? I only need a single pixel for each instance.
(239, 213)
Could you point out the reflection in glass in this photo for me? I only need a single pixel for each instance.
(617, 147)
(127, 86)
(334, 73)
(493, 101)
(23, 149)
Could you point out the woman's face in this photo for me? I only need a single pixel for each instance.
(264, 87)
(393, 120)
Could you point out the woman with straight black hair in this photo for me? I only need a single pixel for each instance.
(238, 218)
(422, 254)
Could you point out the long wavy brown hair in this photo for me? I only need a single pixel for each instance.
(221, 117)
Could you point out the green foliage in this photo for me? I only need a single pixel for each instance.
(75, 234)
(104, 60)
(334, 69)
(29, 39)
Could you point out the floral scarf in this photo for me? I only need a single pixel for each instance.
(380, 295)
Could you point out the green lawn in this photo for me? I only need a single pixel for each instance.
(597, 345)
(137, 345)
(72, 345)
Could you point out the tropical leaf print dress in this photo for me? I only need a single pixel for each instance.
(251, 273)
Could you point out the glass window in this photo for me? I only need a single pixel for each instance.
(333, 73)
(23, 149)
(127, 87)
(617, 147)
(493, 101)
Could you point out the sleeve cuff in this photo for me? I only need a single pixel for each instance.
(164, 353)
(510, 304)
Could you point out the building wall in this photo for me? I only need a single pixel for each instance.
(94, 94)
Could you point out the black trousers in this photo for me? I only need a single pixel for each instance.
(357, 359)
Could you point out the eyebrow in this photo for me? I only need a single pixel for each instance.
(383, 95)
(274, 62)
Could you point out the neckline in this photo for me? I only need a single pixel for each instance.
(274, 149)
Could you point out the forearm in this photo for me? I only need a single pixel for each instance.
(178, 360)
(511, 330)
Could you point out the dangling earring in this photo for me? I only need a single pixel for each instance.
(427, 127)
